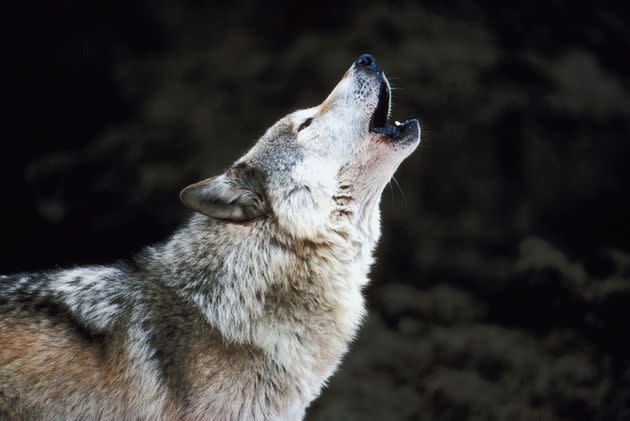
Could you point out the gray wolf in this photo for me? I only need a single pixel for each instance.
(247, 310)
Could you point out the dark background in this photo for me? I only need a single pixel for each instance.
(502, 288)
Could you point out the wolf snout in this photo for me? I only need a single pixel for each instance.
(367, 61)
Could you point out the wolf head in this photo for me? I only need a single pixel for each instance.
(317, 169)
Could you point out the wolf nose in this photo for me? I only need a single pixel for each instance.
(368, 61)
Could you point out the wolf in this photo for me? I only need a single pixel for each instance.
(247, 309)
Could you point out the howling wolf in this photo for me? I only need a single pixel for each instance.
(246, 311)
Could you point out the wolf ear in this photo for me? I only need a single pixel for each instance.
(237, 195)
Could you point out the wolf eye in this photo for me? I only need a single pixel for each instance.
(305, 123)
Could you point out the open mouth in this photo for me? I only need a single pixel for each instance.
(379, 122)
(381, 113)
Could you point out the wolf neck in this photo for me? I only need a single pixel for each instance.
(257, 287)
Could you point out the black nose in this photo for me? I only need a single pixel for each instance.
(367, 61)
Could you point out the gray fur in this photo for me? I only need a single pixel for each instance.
(243, 314)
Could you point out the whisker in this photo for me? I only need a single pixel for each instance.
(402, 193)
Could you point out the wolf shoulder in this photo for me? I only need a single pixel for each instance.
(92, 296)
